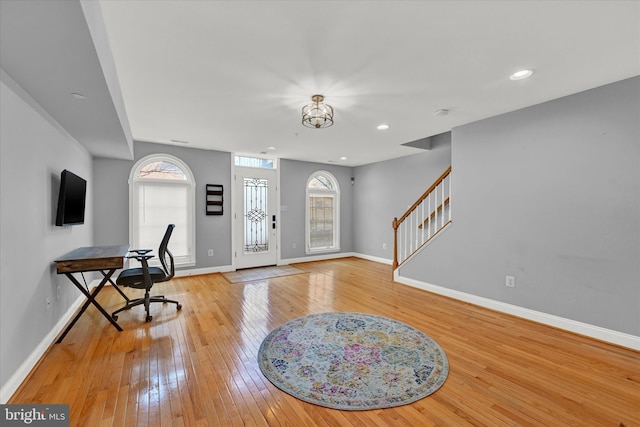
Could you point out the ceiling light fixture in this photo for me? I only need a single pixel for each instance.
(317, 114)
(383, 126)
(77, 95)
(441, 112)
(522, 74)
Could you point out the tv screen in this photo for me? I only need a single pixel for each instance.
(71, 199)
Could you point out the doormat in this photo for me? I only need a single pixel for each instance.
(252, 274)
(352, 361)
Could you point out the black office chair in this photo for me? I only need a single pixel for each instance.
(145, 276)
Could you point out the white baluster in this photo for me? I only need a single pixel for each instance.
(435, 210)
(429, 217)
(416, 229)
(422, 219)
(400, 242)
(449, 178)
(405, 242)
(442, 212)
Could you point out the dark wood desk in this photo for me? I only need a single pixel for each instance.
(106, 260)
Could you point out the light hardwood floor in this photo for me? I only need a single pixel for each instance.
(198, 367)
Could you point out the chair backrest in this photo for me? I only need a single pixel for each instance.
(163, 252)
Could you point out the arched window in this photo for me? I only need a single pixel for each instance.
(323, 213)
(162, 192)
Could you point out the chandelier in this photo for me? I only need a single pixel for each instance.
(317, 114)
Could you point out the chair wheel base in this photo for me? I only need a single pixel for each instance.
(146, 301)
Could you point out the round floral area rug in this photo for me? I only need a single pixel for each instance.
(352, 361)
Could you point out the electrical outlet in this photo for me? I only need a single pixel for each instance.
(58, 292)
(210, 252)
(510, 281)
(294, 246)
(384, 246)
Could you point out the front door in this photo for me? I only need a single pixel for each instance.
(255, 217)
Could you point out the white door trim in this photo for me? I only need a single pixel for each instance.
(236, 212)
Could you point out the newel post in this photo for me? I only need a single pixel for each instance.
(395, 243)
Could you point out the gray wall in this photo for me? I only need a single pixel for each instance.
(214, 167)
(551, 195)
(208, 167)
(385, 190)
(33, 152)
(293, 181)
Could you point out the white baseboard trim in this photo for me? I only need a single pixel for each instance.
(608, 335)
(9, 388)
(323, 257)
(374, 258)
(32, 360)
(597, 332)
(207, 270)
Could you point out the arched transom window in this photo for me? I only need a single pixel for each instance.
(323, 213)
(161, 193)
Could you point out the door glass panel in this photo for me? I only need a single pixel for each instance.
(256, 218)
(321, 222)
(255, 162)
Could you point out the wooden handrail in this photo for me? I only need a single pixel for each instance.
(424, 196)
(397, 222)
(434, 213)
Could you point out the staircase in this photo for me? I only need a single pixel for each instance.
(422, 222)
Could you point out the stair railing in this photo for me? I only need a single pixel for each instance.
(429, 215)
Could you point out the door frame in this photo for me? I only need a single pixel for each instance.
(235, 245)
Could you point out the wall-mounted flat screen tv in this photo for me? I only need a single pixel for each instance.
(71, 199)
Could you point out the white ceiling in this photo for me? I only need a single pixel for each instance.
(233, 75)
(52, 49)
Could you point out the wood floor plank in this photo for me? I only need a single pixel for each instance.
(198, 366)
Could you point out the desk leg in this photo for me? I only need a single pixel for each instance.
(117, 288)
(91, 299)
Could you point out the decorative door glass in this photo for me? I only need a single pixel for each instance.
(256, 217)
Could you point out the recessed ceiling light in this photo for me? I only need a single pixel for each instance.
(343, 158)
(271, 148)
(441, 112)
(522, 74)
(383, 126)
(77, 95)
